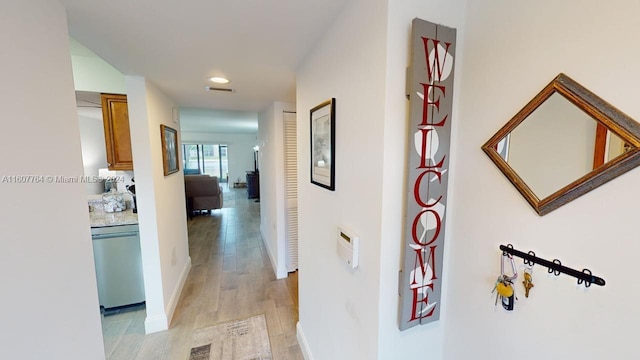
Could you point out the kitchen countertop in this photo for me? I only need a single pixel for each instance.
(102, 219)
(99, 218)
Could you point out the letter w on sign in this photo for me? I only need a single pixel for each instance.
(430, 78)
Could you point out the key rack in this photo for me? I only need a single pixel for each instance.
(554, 266)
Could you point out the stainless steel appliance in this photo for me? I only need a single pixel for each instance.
(116, 250)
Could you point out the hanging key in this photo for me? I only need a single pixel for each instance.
(504, 285)
(495, 288)
(509, 296)
(527, 282)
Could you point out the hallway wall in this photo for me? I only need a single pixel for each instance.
(361, 61)
(338, 306)
(161, 203)
(49, 294)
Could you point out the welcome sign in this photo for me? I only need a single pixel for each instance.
(430, 88)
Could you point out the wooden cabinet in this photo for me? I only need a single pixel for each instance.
(253, 184)
(117, 136)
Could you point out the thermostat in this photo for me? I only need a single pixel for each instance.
(348, 247)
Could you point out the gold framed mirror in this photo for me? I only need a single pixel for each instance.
(564, 143)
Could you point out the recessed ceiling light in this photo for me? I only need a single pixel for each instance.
(219, 80)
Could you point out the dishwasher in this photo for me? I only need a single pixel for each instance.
(118, 260)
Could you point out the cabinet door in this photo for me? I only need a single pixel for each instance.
(253, 185)
(115, 115)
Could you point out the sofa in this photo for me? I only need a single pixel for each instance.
(203, 192)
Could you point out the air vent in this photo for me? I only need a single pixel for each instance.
(211, 88)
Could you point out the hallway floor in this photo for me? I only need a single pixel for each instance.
(231, 278)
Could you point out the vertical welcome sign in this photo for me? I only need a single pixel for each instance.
(430, 88)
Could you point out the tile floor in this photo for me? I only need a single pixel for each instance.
(231, 278)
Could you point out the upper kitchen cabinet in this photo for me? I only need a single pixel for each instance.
(117, 137)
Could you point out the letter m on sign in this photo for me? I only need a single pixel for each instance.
(430, 88)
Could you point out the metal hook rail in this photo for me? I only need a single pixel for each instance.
(554, 266)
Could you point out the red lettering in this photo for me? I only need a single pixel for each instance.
(414, 227)
(425, 300)
(436, 59)
(431, 101)
(416, 186)
(424, 155)
(423, 267)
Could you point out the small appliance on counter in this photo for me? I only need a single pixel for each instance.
(110, 180)
(132, 190)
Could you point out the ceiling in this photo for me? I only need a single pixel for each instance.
(196, 120)
(179, 45)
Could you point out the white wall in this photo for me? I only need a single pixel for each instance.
(512, 49)
(49, 296)
(239, 150)
(368, 80)
(339, 307)
(272, 207)
(94, 150)
(91, 73)
(161, 203)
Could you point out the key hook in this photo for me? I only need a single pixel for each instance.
(513, 267)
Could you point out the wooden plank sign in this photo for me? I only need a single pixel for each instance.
(430, 87)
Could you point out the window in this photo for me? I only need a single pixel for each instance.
(206, 159)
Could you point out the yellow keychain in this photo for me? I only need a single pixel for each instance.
(504, 290)
(504, 284)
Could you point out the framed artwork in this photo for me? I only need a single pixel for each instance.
(323, 144)
(169, 138)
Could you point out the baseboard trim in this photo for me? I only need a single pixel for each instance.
(155, 324)
(302, 341)
(175, 296)
(281, 272)
(161, 322)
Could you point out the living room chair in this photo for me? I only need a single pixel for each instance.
(203, 193)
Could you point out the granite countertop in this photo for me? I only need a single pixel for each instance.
(102, 219)
(99, 218)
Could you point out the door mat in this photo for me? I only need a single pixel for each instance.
(236, 340)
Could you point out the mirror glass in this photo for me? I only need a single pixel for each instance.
(554, 146)
(563, 143)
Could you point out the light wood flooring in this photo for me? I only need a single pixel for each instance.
(231, 278)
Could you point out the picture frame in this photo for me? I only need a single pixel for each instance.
(170, 158)
(323, 144)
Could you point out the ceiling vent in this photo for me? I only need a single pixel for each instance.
(211, 88)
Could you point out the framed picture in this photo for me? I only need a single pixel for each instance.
(323, 144)
(169, 138)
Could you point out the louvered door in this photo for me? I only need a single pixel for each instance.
(291, 190)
